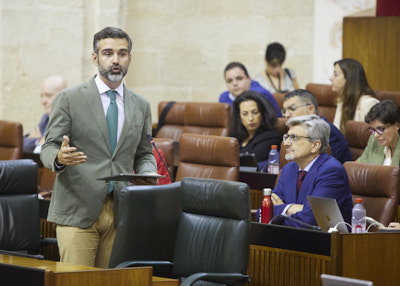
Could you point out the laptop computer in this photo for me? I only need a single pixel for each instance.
(332, 280)
(327, 213)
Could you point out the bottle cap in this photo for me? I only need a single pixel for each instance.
(274, 146)
(359, 200)
(267, 191)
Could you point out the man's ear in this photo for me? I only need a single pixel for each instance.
(94, 59)
(316, 146)
(311, 109)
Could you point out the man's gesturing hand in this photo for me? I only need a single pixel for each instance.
(68, 156)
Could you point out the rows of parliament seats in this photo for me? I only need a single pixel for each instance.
(194, 117)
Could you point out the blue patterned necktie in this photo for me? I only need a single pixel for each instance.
(112, 123)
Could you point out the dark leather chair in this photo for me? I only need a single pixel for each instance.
(326, 99)
(393, 95)
(11, 141)
(195, 117)
(167, 146)
(281, 125)
(279, 98)
(357, 135)
(19, 207)
(213, 157)
(379, 186)
(147, 219)
(174, 121)
(213, 232)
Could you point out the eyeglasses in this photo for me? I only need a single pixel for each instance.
(293, 137)
(293, 108)
(378, 130)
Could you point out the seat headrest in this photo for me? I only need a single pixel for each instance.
(207, 114)
(18, 177)
(209, 150)
(373, 180)
(218, 198)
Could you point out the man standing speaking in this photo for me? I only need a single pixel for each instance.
(96, 129)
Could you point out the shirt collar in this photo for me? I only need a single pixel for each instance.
(308, 167)
(231, 97)
(103, 88)
(388, 156)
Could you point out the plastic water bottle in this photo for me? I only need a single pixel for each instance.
(267, 208)
(273, 160)
(358, 221)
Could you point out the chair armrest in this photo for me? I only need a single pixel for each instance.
(48, 241)
(126, 264)
(216, 277)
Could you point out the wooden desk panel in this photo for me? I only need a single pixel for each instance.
(65, 274)
(289, 256)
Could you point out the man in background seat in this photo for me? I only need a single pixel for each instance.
(50, 87)
(302, 102)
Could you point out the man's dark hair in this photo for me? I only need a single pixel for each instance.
(266, 109)
(110, 32)
(236, 65)
(305, 96)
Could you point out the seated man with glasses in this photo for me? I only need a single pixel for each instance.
(303, 102)
(384, 145)
(312, 173)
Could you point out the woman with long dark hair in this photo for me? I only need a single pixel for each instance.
(356, 97)
(253, 122)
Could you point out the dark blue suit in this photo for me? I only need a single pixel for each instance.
(339, 146)
(255, 86)
(30, 143)
(326, 178)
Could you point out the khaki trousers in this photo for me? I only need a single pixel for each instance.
(89, 246)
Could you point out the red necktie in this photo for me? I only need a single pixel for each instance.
(300, 179)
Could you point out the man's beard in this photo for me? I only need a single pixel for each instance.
(109, 75)
(289, 156)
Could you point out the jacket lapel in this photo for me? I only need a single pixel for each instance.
(93, 101)
(310, 178)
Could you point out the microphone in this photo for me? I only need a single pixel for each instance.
(15, 253)
(151, 140)
(309, 226)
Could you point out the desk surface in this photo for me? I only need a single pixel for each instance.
(61, 267)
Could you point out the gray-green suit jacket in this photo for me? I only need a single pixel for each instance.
(77, 112)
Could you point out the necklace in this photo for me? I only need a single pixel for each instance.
(272, 83)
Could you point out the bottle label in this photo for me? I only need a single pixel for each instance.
(358, 228)
(273, 169)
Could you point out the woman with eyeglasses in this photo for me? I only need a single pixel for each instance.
(275, 78)
(252, 122)
(356, 97)
(384, 145)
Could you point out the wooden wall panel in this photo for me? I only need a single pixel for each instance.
(375, 42)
